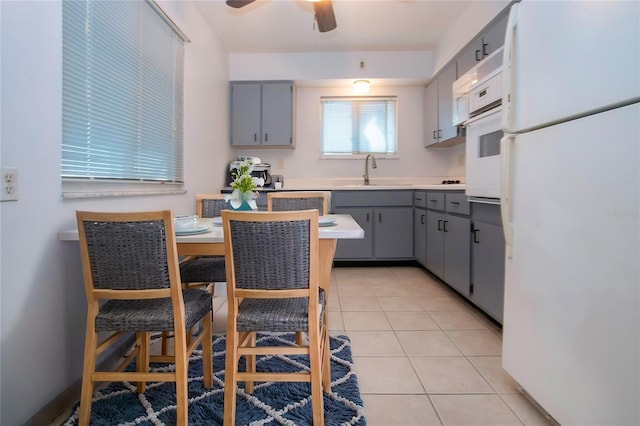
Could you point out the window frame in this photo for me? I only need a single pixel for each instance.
(105, 186)
(358, 154)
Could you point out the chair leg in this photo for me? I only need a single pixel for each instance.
(299, 338)
(89, 367)
(315, 367)
(250, 361)
(326, 355)
(230, 379)
(165, 343)
(207, 351)
(142, 361)
(182, 364)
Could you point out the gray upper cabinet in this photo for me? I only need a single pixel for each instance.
(488, 42)
(438, 104)
(262, 114)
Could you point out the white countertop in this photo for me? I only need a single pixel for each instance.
(345, 228)
(350, 184)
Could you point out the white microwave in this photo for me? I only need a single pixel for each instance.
(462, 106)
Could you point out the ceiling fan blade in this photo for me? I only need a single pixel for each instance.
(324, 15)
(239, 3)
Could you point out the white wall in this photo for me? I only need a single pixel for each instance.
(41, 290)
(312, 66)
(304, 161)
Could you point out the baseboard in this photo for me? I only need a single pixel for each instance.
(71, 395)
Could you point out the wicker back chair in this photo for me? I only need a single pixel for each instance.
(205, 269)
(272, 286)
(298, 200)
(132, 283)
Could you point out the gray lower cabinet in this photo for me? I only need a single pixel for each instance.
(487, 255)
(449, 239)
(387, 220)
(420, 227)
(358, 249)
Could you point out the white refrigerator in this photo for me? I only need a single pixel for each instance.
(570, 191)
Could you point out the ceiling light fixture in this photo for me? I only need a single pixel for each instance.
(361, 86)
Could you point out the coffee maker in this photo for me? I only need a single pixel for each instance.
(260, 170)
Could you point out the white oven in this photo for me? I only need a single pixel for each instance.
(484, 131)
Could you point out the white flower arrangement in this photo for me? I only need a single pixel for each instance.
(244, 186)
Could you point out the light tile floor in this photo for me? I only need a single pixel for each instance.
(423, 355)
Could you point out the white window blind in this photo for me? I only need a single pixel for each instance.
(359, 125)
(122, 111)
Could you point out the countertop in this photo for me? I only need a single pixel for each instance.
(350, 184)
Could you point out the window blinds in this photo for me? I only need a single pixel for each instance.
(122, 93)
(359, 125)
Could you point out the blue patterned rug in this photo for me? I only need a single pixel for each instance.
(271, 403)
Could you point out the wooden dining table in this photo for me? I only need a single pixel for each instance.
(211, 241)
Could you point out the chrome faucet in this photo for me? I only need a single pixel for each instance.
(374, 165)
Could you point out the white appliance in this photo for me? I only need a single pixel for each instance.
(483, 135)
(462, 87)
(570, 207)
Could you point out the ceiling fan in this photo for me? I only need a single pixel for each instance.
(323, 9)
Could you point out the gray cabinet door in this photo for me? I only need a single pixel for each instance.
(470, 57)
(420, 236)
(431, 113)
(277, 114)
(357, 249)
(245, 114)
(493, 39)
(446, 129)
(488, 268)
(457, 253)
(393, 233)
(435, 243)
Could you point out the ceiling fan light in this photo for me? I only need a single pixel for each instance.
(361, 86)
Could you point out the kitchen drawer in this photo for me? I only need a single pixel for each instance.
(420, 199)
(368, 198)
(435, 200)
(458, 203)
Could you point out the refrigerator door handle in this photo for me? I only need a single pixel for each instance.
(508, 88)
(506, 180)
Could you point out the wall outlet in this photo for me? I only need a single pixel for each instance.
(9, 184)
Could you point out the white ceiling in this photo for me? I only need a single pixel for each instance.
(286, 26)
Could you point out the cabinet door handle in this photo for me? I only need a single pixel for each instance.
(475, 233)
(367, 217)
(439, 134)
(444, 226)
(434, 134)
(439, 224)
(484, 49)
(255, 137)
(379, 217)
(478, 57)
(422, 218)
(454, 202)
(266, 137)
